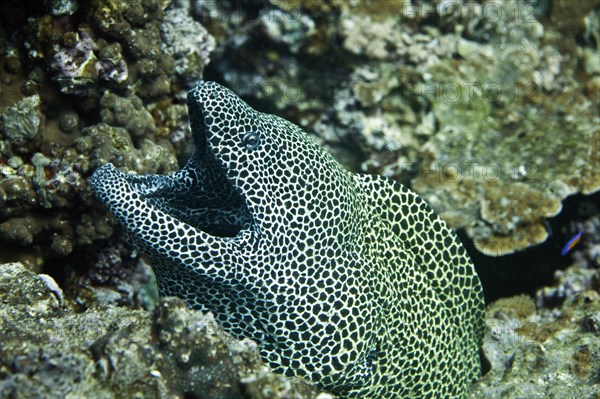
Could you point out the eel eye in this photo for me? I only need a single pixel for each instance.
(251, 140)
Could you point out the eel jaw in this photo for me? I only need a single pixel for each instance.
(199, 195)
(133, 198)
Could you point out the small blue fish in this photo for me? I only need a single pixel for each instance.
(571, 243)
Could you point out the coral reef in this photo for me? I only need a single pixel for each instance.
(502, 95)
(22, 121)
(118, 277)
(532, 351)
(584, 259)
(542, 353)
(465, 101)
(188, 42)
(290, 32)
(49, 350)
(82, 85)
(75, 64)
(128, 113)
(527, 115)
(547, 346)
(488, 109)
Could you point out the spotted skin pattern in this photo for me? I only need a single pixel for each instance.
(348, 280)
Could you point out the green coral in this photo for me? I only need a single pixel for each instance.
(127, 112)
(22, 121)
(501, 122)
(106, 143)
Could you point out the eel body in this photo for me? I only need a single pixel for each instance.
(348, 280)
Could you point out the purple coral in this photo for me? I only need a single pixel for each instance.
(74, 66)
(111, 70)
(72, 62)
(77, 68)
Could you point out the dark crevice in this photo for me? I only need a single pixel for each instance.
(527, 271)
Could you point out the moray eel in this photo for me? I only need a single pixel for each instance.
(348, 280)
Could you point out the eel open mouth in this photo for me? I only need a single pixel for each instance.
(210, 203)
(199, 194)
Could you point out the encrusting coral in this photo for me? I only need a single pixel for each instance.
(84, 87)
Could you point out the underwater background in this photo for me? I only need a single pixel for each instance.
(490, 110)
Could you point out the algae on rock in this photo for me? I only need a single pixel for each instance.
(22, 121)
(49, 350)
(486, 112)
(542, 353)
(512, 144)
